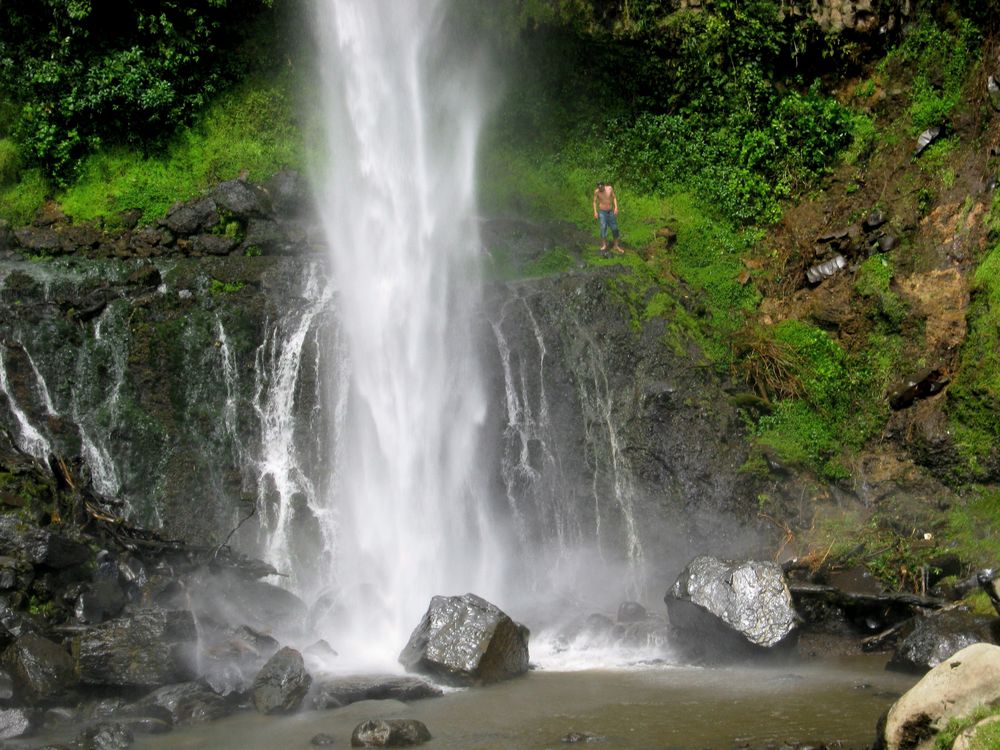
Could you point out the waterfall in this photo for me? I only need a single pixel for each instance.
(396, 197)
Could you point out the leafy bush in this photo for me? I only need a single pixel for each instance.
(89, 73)
(10, 161)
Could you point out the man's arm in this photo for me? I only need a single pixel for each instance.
(595, 204)
(614, 200)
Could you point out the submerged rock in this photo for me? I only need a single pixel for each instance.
(342, 691)
(281, 684)
(14, 722)
(749, 598)
(465, 640)
(109, 736)
(182, 704)
(954, 688)
(389, 733)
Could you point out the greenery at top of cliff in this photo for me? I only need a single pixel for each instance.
(79, 75)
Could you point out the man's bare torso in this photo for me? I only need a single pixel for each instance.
(605, 198)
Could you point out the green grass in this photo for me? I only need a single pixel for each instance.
(987, 738)
(972, 527)
(20, 200)
(251, 128)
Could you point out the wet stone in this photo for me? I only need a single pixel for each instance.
(343, 691)
(322, 740)
(14, 722)
(577, 737)
(110, 736)
(390, 733)
(40, 669)
(281, 684)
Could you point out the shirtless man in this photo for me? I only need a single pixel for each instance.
(606, 212)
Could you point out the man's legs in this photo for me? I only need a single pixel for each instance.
(613, 223)
(602, 218)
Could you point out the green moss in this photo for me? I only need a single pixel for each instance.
(974, 396)
(971, 527)
(20, 200)
(250, 129)
(873, 283)
(988, 738)
(216, 286)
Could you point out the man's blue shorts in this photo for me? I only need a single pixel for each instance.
(608, 219)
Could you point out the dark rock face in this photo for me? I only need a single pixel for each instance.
(935, 638)
(748, 598)
(465, 640)
(389, 733)
(342, 691)
(187, 219)
(282, 683)
(183, 704)
(147, 649)
(40, 669)
(241, 199)
(40, 546)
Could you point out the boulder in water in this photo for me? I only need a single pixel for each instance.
(465, 640)
(935, 638)
(281, 684)
(389, 733)
(40, 669)
(718, 599)
(14, 722)
(342, 691)
(954, 688)
(108, 736)
(148, 649)
(182, 704)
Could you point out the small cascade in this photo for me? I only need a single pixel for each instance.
(30, 439)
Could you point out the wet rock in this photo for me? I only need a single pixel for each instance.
(747, 598)
(389, 733)
(873, 220)
(322, 740)
(232, 657)
(190, 218)
(281, 684)
(288, 192)
(39, 240)
(466, 640)
(241, 199)
(993, 92)
(319, 653)
(148, 649)
(6, 686)
(927, 138)
(265, 235)
(631, 612)
(147, 275)
(954, 688)
(989, 582)
(937, 637)
(826, 269)
(886, 243)
(212, 244)
(15, 722)
(923, 384)
(108, 736)
(104, 600)
(342, 691)
(229, 596)
(183, 704)
(41, 670)
(574, 737)
(40, 546)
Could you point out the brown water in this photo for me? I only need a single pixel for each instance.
(656, 708)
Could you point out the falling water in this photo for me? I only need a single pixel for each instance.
(397, 202)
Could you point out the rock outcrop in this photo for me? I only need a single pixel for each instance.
(466, 640)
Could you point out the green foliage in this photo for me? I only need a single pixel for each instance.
(987, 738)
(10, 161)
(251, 127)
(20, 200)
(216, 287)
(872, 282)
(938, 58)
(972, 527)
(86, 74)
(974, 395)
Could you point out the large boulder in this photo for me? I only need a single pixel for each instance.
(938, 636)
(281, 684)
(389, 733)
(40, 546)
(40, 669)
(14, 722)
(734, 603)
(953, 689)
(342, 691)
(183, 704)
(148, 649)
(465, 640)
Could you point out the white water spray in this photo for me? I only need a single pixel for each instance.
(397, 201)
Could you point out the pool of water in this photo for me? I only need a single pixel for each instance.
(659, 708)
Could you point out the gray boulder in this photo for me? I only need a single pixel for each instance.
(281, 684)
(182, 704)
(342, 691)
(148, 649)
(389, 733)
(715, 598)
(937, 637)
(40, 546)
(241, 199)
(14, 722)
(465, 640)
(954, 688)
(40, 669)
(108, 736)
(189, 218)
